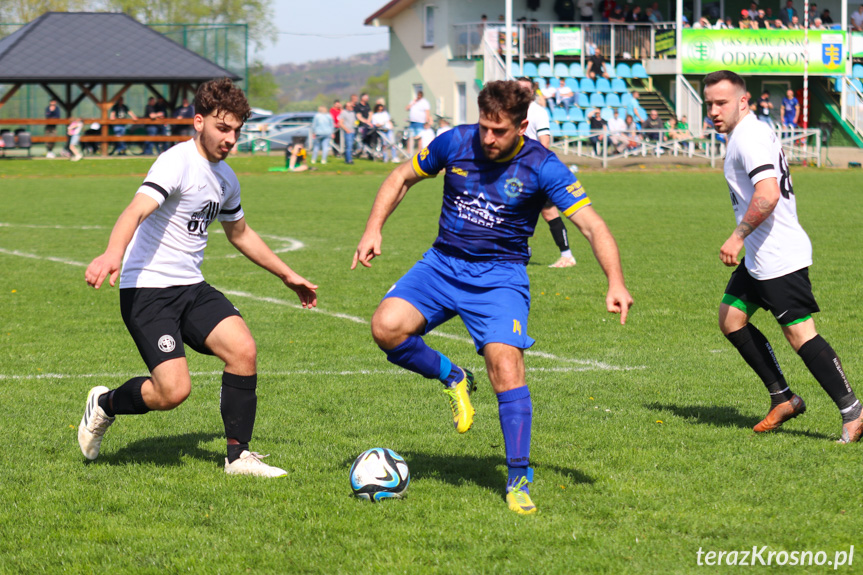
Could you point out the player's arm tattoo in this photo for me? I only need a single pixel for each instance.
(759, 210)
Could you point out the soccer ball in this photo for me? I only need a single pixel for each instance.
(379, 473)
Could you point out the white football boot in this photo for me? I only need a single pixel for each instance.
(94, 424)
(249, 463)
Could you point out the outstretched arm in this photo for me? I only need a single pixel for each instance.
(389, 195)
(588, 222)
(763, 203)
(250, 244)
(108, 264)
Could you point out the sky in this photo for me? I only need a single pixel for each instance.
(320, 29)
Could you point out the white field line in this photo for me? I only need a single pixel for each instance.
(587, 363)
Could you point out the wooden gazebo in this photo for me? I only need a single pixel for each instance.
(103, 54)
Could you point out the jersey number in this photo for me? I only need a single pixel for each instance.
(785, 186)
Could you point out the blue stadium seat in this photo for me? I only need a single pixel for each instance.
(530, 70)
(857, 83)
(638, 71)
(597, 100)
(624, 71)
(606, 114)
(545, 70)
(618, 85)
(561, 70)
(583, 129)
(575, 70)
(572, 83)
(568, 129)
(612, 100)
(623, 112)
(857, 71)
(576, 115)
(554, 128)
(587, 85)
(559, 115)
(516, 71)
(583, 100)
(603, 85)
(625, 99)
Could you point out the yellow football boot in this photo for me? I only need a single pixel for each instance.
(459, 401)
(519, 500)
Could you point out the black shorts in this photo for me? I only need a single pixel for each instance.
(789, 298)
(161, 320)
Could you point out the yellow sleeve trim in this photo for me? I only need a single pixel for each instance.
(577, 206)
(415, 162)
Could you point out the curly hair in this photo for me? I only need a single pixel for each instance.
(507, 97)
(219, 96)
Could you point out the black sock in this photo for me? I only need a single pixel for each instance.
(238, 404)
(558, 232)
(756, 350)
(126, 399)
(823, 363)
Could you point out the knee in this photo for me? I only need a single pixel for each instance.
(168, 396)
(245, 355)
(386, 329)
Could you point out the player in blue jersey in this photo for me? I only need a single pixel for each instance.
(495, 185)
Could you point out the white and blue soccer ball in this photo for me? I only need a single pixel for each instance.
(379, 473)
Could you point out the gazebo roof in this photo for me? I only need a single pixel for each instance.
(102, 47)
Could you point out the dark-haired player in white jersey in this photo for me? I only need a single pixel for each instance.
(774, 274)
(159, 240)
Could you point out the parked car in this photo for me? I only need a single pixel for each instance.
(279, 131)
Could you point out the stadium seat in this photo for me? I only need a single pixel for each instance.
(561, 70)
(554, 128)
(583, 129)
(623, 111)
(568, 129)
(559, 115)
(612, 100)
(530, 70)
(638, 71)
(625, 99)
(624, 71)
(583, 100)
(857, 71)
(603, 85)
(597, 100)
(587, 85)
(516, 71)
(837, 84)
(576, 115)
(575, 70)
(572, 83)
(544, 70)
(857, 83)
(606, 114)
(618, 85)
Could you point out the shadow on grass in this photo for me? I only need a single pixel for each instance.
(482, 471)
(164, 450)
(723, 416)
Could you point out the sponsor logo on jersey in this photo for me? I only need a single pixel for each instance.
(458, 172)
(513, 187)
(201, 220)
(424, 154)
(167, 343)
(478, 210)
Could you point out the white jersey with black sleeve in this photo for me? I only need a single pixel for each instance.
(779, 246)
(168, 247)
(537, 122)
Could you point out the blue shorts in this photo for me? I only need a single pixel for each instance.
(416, 129)
(492, 298)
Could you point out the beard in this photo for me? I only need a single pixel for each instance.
(497, 153)
(212, 147)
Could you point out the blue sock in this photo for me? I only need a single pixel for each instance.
(515, 410)
(414, 355)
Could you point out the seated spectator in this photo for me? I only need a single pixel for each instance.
(597, 130)
(427, 135)
(550, 95)
(745, 23)
(633, 137)
(760, 19)
(778, 25)
(295, 157)
(652, 127)
(703, 23)
(596, 66)
(616, 129)
(565, 96)
(817, 24)
(673, 130)
(795, 24)
(825, 17)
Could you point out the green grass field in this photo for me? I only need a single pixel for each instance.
(642, 439)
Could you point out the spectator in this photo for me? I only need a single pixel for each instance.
(787, 13)
(150, 114)
(322, 132)
(753, 10)
(334, 112)
(813, 12)
(76, 127)
(443, 126)
(729, 23)
(764, 107)
(674, 130)
(817, 24)
(633, 137)
(597, 130)
(162, 129)
(550, 95)
(655, 8)
(745, 23)
(790, 110)
(703, 23)
(419, 113)
(186, 111)
(825, 17)
(617, 15)
(426, 135)
(585, 10)
(120, 111)
(596, 65)
(778, 25)
(616, 132)
(761, 21)
(857, 19)
(634, 108)
(652, 127)
(795, 24)
(384, 126)
(565, 96)
(363, 110)
(348, 125)
(52, 112)
(295, 156)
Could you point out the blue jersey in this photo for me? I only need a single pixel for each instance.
(490, 207)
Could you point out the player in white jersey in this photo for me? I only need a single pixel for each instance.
(538, 129)
(164, 300)
(774, 273)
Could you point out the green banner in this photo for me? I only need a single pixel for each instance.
(768, 52)
(857, 44)
(664, 42)
(566, 41)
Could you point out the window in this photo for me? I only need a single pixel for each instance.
(461, 103)
(428, 25)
